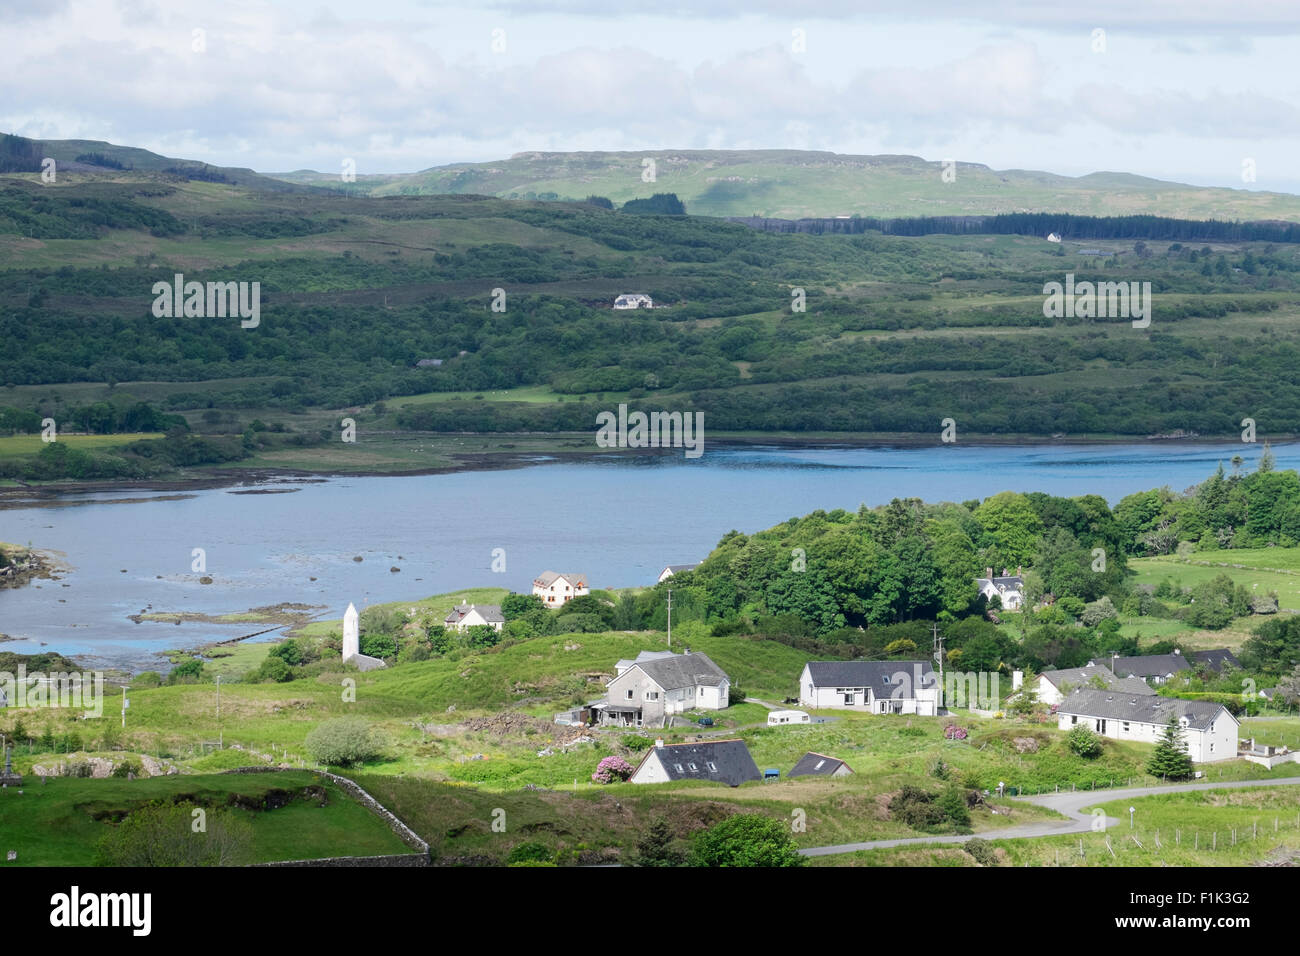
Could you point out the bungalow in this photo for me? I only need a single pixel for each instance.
(1055, 686)
(1156, 669)
(672, 569)
(469, 615)
(555, 588)
(1209, 730)
(819, 765)
(650, 691)
(880, 687)
(1009, 588)
(720, 761)
(633, 300)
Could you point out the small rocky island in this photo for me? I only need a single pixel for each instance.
(19, 564)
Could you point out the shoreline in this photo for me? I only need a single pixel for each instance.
(29, 495)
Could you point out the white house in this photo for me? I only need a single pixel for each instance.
(465, 616)
(1055, 686)
(721, 761)
(780, 718)
(555, 588)
(644, 656)
(880, 687)
(633, 300)
(1209, 730)
(1158, 668)
(650, 691)
(672, 569)
(1053, 237)
(1010, 588)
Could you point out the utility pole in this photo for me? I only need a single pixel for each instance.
(938, 655)
(125, 704)
(670, 619)
(220, 736)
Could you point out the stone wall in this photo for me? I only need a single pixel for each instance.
(404, 833)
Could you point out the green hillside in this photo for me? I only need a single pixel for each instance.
(794, 184)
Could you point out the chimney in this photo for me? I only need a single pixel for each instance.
(659, 742)
(1019, 571)
(988, 572)
(687, 651)
(1177, 651)
(1006, 573)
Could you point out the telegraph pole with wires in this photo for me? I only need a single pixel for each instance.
(938, 654)
(670, 619)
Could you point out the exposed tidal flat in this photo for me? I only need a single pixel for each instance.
(183, 570)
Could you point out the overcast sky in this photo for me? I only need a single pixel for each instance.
(1184, 91)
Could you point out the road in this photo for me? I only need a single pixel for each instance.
(1069, 804)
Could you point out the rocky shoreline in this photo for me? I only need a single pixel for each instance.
(18, 565)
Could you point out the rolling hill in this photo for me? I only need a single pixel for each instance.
(794, 184)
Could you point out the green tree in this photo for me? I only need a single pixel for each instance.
(746, 839)
(342, 741)
(163, 834)
(655, 848)
(1170, 760)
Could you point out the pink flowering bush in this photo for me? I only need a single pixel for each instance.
(611, 769)
(953, 732)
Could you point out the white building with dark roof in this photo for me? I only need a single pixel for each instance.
(719, 761)
(880, 687)
(1055, 686)
(648, 691)
(814, 764)
(1007, 587)
(672, 569)
(1209, 730)
(464, 616)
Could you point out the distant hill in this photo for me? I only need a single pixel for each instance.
(794, 184)
(90, 157)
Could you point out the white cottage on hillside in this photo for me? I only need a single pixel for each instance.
(880, 687)
(465, 616)
(555, 588)
(634, 300)
(1209, 730)
(1008, 587)
(1055, 686)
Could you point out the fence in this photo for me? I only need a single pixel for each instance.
(1143, 847)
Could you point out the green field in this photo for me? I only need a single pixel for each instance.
(60, 822)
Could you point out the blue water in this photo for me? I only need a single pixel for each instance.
(618, 520)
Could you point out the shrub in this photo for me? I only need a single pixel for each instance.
(655, 846)
(636, 742)
(342, 741)
(982, 851)
(1084, 743)
(126, 767)
(746, 839)
(529, 853)
(612, 768)
(160, 834)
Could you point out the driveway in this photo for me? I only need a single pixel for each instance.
(1069, 804)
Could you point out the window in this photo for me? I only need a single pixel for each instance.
(713, 767)
(679, 768)
(630, 692)
(820, 764)
(652, 695)
(1126, 726)
(1074, 719)
(692, 767)
(1211, 746)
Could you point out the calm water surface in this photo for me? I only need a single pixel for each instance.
(619, 520)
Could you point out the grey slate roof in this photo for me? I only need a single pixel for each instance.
(679, 568)
(1152, 665)
(1215, 659)
(683, 670)
(489, 612)
(1079, 677)
(1150, 709)
(874, 674)
(817, 765)
(732, 763)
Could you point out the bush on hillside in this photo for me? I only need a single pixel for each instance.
(342, 742)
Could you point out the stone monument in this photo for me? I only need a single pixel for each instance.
(8, 778)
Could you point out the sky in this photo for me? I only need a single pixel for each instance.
(1192, 91)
